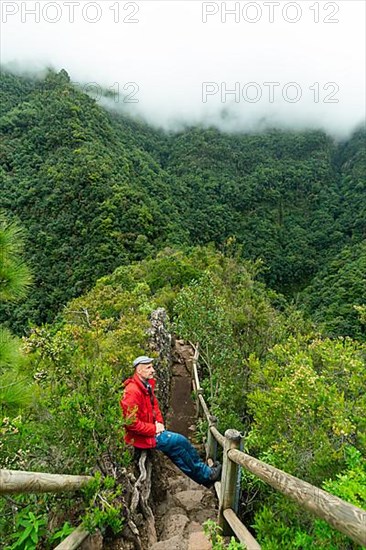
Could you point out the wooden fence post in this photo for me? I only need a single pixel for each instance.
(211, 450)
(229, 478)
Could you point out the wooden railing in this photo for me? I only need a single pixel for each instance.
(18, 481)
(341, 515)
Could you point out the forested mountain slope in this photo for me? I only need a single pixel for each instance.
(95, 190)
(88, 202)
(276, 192)
(351, 159)
(335, 294)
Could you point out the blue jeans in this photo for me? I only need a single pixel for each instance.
(182, 453)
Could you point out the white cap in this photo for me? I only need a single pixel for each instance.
(142, 359)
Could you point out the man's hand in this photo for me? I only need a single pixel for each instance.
(159, 427)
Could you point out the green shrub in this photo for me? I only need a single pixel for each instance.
(213, 532)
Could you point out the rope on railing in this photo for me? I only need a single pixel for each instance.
(341, 515)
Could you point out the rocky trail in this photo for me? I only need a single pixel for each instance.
(179, 506)
(180, 516)
(187, 505)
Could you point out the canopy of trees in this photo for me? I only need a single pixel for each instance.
(95, 190)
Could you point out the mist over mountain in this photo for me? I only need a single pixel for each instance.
(234, 66)
(95, 190)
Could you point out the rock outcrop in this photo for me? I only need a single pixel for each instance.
(160, 341)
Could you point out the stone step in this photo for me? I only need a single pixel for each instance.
(174, 524)
(174, 543)
(198, 541)
(190, 499)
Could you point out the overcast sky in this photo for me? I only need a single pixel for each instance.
(239, 65)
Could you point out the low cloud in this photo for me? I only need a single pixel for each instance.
(240, 66)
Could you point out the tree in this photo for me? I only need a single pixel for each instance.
(15, 279)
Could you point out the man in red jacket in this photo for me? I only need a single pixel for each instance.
(145, 428)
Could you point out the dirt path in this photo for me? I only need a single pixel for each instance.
(187, 506)
(182, 411)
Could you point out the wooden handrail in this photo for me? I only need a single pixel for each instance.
(218, 436)
(195, 375)
(18, 481)
(341, 515)
(74, 540)
(240, 530)
(204, 406)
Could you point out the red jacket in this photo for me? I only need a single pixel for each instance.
(137, 408)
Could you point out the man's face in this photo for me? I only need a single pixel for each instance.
(145, 370)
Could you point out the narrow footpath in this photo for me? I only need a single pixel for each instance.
(187, 506)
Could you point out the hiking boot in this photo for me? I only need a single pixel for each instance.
(215, 475)
(215, 472)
